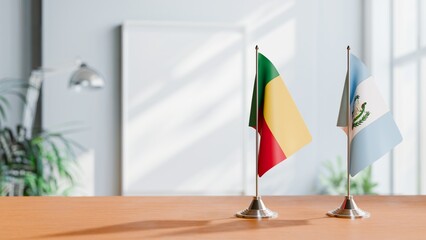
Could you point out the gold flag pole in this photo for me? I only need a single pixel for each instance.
(348, 209)
(257, 208)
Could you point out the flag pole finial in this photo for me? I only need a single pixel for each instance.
(349, 48)
(257, 47)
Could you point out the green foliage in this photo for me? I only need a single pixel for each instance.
(41, 165)
(334, 180)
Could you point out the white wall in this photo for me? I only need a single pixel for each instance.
(306, 39)
(15, 47)
(340, 23)
(394, 47)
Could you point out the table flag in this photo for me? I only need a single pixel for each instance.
(281, 127)
(374, 132)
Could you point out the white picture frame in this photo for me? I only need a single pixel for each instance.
(165, 150)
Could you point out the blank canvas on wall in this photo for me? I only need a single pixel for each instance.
(183, 114)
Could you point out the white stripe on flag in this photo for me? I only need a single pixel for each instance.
(369, 107)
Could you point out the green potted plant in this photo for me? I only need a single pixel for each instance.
(33, 166)
(333, 180)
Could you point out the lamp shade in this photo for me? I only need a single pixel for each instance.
(86, 77)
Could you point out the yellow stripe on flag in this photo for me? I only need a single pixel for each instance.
(283, 118)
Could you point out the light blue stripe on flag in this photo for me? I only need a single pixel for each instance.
(359, 72)
(373, 142)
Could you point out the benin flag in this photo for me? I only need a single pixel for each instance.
(281, 127)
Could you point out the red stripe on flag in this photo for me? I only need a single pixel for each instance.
(270, 152)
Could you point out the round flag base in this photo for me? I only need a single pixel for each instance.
(257, 209)
(348, 209)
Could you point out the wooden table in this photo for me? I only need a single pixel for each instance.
(301, 217)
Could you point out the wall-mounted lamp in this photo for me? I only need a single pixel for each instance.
(82, 77)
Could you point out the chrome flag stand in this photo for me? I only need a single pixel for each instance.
(257, 208)
(348, 209)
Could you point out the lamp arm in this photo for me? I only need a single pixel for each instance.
(30, 107)
(33, 93)
(47, 71)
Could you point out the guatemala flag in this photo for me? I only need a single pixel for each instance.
(374, 132)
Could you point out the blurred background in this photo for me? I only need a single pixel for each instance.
(172, 115)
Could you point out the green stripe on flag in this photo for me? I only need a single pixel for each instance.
(267, 72)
